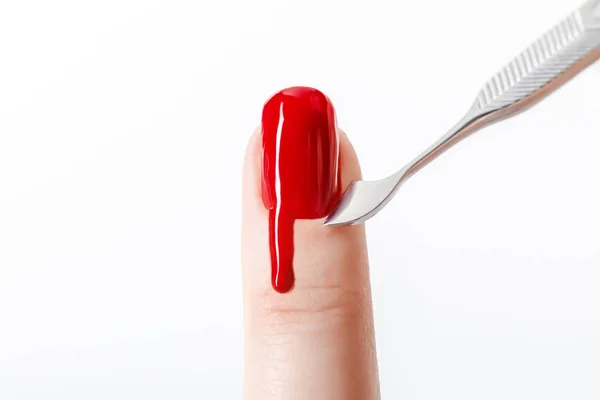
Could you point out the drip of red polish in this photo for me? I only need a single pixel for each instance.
(300, 170)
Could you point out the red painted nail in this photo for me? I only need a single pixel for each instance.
(300, 174)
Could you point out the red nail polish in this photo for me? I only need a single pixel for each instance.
(300, 174)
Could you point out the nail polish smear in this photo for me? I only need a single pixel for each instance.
(300, 170)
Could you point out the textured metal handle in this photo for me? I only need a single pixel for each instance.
(543, 61)
(545, 65)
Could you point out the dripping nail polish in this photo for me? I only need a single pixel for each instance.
(300, 170)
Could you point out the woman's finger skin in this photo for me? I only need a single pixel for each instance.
(315, 341)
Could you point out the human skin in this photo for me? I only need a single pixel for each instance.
(317, 341)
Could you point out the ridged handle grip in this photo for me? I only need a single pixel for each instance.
(544, 61)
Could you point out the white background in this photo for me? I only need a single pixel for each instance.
(122, 131)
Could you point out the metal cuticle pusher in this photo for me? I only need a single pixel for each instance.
(551, 61)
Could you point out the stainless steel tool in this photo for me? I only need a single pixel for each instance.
(552, 60)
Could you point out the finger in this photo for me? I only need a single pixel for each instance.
(317, 340)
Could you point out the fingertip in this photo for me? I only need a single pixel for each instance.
(349, 162)
(251, 187)
(313, 335)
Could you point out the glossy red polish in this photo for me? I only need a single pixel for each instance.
(300, 170)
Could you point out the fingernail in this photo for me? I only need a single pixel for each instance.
(300, 174)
